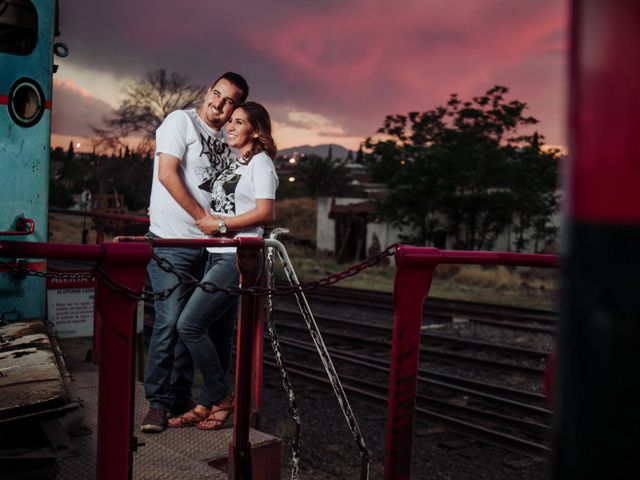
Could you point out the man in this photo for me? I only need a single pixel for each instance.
(190, 153)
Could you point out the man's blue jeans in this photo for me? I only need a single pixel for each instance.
(206, 327)
(169, 374)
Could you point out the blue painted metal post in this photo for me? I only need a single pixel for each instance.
(26, 64)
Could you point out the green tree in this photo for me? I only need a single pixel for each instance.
(464, 170)
(533, 183)
(322, 176)
(146, 104)
(70, 153)
(77, 173)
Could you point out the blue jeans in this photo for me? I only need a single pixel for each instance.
(206, 327)
(169, 374)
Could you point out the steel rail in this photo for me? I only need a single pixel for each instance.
(433, 316)
(433, 353)
(470, 413)
(426, 337)
(435, 305)
(513, 325)
(511, 398)
(463, 427)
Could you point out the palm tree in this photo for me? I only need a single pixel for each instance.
(322, 176)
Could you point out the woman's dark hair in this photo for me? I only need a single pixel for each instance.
(260, 121)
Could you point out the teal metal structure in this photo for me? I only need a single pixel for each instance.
(27, 29)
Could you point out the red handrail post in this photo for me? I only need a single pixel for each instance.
(597, 385)
(99, 231)
(239, 464)
(411, 286)
(126, 265)
(258, 342)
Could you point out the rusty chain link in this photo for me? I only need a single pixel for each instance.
(20, 269)
(192, 282)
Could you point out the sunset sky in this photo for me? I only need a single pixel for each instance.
(328, 71)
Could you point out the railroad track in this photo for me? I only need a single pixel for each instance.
(464, 385)
(434, 346)
(437, 310)
(495, 428)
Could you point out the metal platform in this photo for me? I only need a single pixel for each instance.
(185, 453)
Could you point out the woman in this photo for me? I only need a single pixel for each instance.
(243, 200)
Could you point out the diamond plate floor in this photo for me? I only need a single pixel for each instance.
(181, 453)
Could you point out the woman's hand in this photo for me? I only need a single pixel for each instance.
(208, 224)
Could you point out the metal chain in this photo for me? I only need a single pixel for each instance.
(334, 278)
(20, 269)
(192, 282)
(282, 368)
(325, 358)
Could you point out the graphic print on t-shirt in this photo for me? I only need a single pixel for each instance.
(223, 196)
(220, 159)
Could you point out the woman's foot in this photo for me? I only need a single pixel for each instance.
(191, 417)
(217, 416)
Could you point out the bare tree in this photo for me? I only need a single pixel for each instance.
(148, 101)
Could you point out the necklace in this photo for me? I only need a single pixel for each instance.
(246, 158)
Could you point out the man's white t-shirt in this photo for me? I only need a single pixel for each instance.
(236, 189)
(203, 155)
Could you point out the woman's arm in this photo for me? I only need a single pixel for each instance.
(263, 214)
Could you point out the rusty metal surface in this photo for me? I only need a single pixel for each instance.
(175, 453)
(30, 378)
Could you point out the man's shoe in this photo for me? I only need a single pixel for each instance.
(154, 421)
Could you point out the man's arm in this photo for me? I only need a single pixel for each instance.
(170, 178)
(263, 214)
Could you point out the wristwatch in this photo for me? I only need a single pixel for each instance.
(222, 227)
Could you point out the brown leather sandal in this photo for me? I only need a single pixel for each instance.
(189, 418)
(218, 416)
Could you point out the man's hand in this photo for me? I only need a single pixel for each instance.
(208, 223)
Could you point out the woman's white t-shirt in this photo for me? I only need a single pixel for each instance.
(235, 192)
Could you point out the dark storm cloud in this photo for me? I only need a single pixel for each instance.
(352, 61)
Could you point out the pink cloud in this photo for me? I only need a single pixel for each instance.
(346, 44)
(395, 60)
(348, 60)
(75, 109)
(71, 86)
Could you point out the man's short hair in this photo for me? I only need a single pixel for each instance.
(237, 80)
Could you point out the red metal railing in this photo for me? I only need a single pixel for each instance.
(24, 226)
(414, 273)
(125, 263)
(248, 344)
(100, 218)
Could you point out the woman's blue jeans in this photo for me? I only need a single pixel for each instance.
(206, 327)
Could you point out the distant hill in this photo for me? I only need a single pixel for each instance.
(337, 151)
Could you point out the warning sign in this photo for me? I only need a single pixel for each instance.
(70, 305)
